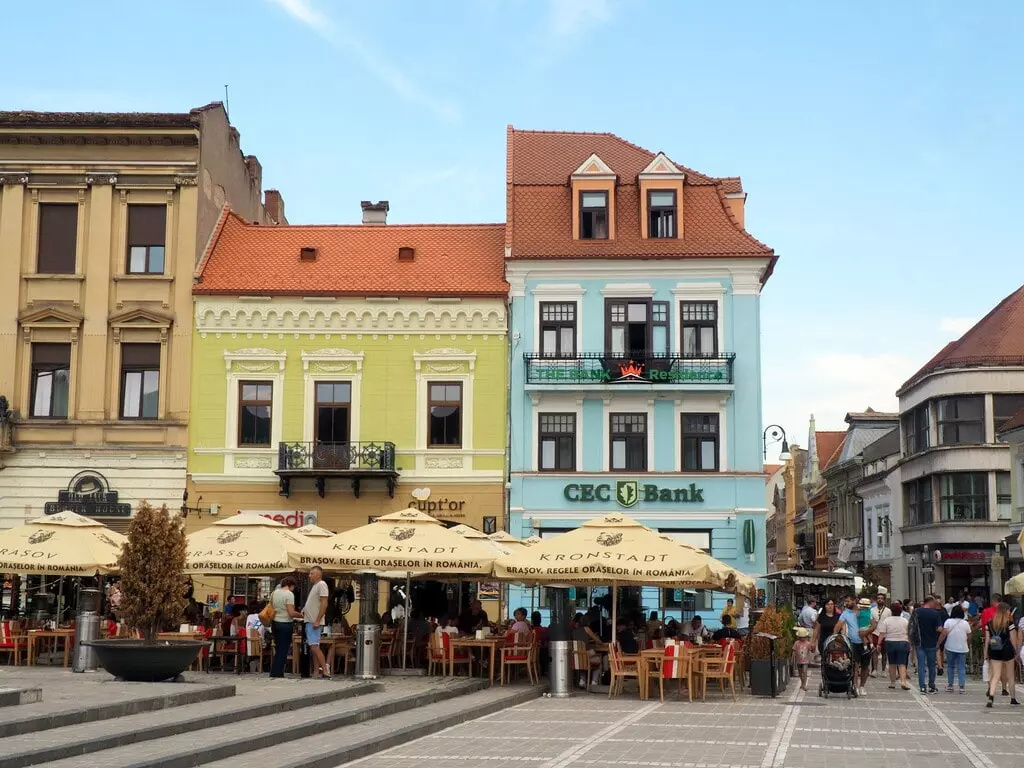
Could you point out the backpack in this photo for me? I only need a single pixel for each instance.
(914, 631)
(995, 641)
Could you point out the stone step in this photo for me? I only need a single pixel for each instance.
(334, 748)
(47, 715)
(13, 697)
(282, 729)
(87, 738)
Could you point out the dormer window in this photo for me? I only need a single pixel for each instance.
(661, 207)
(593, 215)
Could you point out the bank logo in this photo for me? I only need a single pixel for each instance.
(609, 539)
(401, 534)
(228, 536)
(40, 536)
(627, 493)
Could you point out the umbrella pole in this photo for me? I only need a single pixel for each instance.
(615, 611)
(405, 628)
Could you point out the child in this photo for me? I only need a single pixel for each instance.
(802, 651)
(864, 623)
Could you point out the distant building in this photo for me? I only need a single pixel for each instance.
(881, 498)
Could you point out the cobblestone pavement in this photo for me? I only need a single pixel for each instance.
(894, 728)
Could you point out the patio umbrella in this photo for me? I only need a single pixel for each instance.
(735, 581)
(1014, 586)
(247, 544)
(64, 544)
(314, 532)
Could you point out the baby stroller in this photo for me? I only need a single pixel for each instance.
(837, 667)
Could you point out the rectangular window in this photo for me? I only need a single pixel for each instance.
(628, 448)
(699, 320)
(628, 328)
(700, 442)
(140, 381)
(255, 413)
(558, 328)
(51, 378)
(659, 328)
(961, 420)
(147, 233)
(58, 237)
(661, 207)
(593, 215)
(1005, 406)
(963, 496)
(1004, 496)
(915, 429)
(444, 408)
(333, 403)
(557, 442)
(917, 500)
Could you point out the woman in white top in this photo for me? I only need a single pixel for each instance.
(956, 632)
(893, 631)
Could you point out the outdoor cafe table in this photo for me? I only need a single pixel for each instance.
(185, 636)
(66, 636)
(492, 642)
(331, 643)
(691, 656)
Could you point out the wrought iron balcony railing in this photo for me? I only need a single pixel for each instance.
(350, 458)
(647, 368)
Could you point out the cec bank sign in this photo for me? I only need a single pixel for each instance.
(293, 518)
(627, 493)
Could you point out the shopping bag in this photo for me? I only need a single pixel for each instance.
(984, 672)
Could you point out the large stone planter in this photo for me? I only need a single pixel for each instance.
(133, 660)
(761, 680)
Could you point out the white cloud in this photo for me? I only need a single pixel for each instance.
(394, 78)
(957, 325)
(574, 18)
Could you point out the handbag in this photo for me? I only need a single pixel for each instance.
(267, 614)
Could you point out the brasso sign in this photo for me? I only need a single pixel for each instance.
(293, 518)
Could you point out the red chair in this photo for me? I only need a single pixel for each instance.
(519, 650)
(13, 640)
(462, 656)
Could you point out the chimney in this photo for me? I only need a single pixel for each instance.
(273, 204)
(375, 213)
(737, 202)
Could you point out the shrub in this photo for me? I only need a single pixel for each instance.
(772, 622)
(152, 565)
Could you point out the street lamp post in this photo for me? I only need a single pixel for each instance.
(777, 434)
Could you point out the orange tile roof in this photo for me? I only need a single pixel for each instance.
(539, 165)
(995, 340)
(1014, 422)
(830, 446)
(353, 260)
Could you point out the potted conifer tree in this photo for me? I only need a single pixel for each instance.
(153, 587)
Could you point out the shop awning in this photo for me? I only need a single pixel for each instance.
(813, 578)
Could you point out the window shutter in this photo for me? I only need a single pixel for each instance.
(140, 356)
(58, 236)
(147, 224)
(56, 355)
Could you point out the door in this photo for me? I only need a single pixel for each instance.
(332, 449)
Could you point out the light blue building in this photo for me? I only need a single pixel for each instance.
(635, 353)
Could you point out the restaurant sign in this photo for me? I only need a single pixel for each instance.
(88, 494)
(631, 370)
(292, 518)
(628, 493)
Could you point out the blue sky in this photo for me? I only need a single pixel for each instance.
(879, 142)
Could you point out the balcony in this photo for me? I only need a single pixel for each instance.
(600, 369)
(351, 461)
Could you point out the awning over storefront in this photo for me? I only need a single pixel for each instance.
(813, 578)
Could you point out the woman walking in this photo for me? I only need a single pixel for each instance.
(893, 632)
(956, 632)
(283, 600)
(825, 625)
(1001, 644)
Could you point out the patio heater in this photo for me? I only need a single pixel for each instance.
(368, 631)
(87, 629)
(559, 645)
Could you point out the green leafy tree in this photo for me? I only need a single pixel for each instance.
(152, 565)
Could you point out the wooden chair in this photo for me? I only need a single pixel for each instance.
(387, 649)
(621, 668)
(674, 665)
(254, 650)
(520, 652)
(720, 668)
(462, 656)
(581, 661)
(13, 640)
(436, 654)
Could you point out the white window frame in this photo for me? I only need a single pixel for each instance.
(696, 292)
(430, 368)
(555, 404)
(257, 365)
(349, 367)
(700, 404)
(567, 293)
(623, 404)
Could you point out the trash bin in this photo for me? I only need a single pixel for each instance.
(87, 628)
(367, 652)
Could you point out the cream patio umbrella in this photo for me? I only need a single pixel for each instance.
(64, 544)
(1014, 586)
(612, 549)
(314, 532)
(248, 544)
(735, 580)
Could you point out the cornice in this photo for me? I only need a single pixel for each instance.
(217, 315)
(42, 138)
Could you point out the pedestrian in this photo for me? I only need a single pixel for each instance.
(825, 625)
(956, 632)
(925, 628)
(879, 613)
(808, 614)
(802, 650)
(893, 635)
(743, 620)
(986, 616)
(729, 610)
(313, 612)
(850, 624)
(1001, 644)
(283, 600)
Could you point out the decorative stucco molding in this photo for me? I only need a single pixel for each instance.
(446, 360)
(254, 360)
(99, 179)
(332, 361)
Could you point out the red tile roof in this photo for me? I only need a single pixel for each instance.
(830, 446)
(1014, 422)
(539, 165)
(995, 340)
(353, 260)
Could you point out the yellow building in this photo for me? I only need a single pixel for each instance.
(102, 219)
(336, 369)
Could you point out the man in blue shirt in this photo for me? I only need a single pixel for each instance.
(861, 652)
(928, 624)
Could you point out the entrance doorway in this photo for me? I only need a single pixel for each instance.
(332, 424)
(970, 579)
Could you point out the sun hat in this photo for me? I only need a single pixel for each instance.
(864, 603)
(802, 632)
